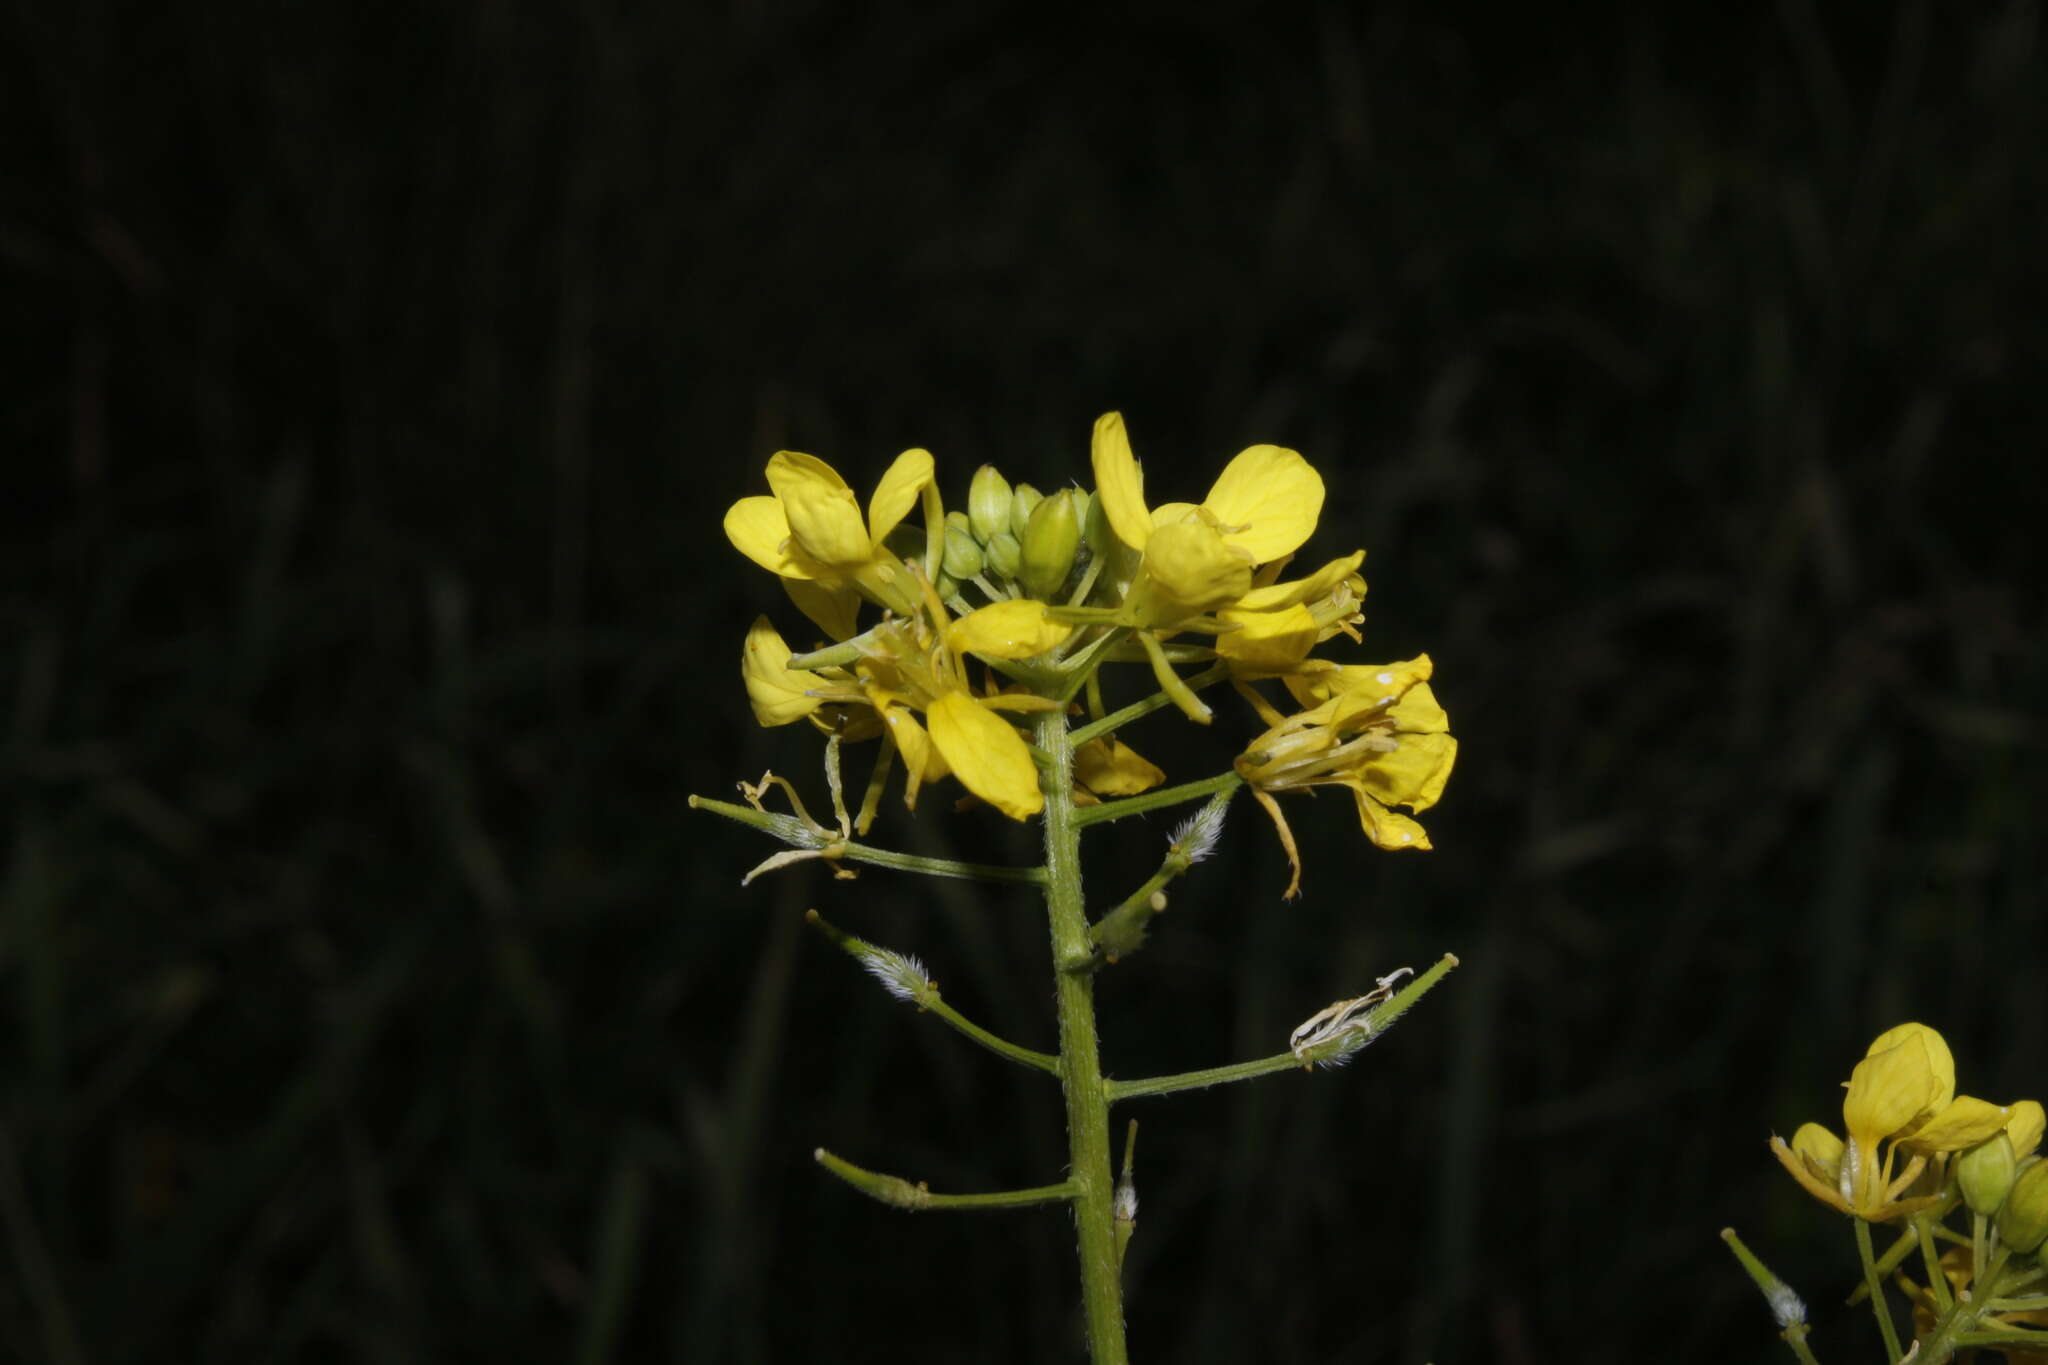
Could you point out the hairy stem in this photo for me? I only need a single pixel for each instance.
(1080, 1065)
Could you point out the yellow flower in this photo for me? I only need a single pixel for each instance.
(811, 532)
(1389, 743)
(1901, 1098)
(1201, 558)
(909, 665)
(906, 667)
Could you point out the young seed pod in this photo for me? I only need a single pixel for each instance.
(988, 503)
(1050, 542)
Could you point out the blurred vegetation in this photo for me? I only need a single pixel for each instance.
(378, 385)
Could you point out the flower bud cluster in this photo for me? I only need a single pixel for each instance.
(1012, 605)
(1014, 537)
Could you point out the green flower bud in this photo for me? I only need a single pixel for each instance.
(1050, 542)
(1985, 1173)
(959, 519)
(2023, 1218)
(1004, 554)
(988, 503)
(1095, 526)
(963, 556)
(1024, 499)
(946, 586)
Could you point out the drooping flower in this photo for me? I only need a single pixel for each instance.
(1901, 1099)
(1385, 739)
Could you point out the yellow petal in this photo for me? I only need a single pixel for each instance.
(1417, 713)
(1108, 767)
(990, 759)
(757, 529)
(1414, 774)
(1119, 482)
(1192, 570)
(1317, 584)
(1797, 1168)
(1939, 1057)
(776, 691)
(824, 516)
(2024, 1127)
(1888, 1090)
(922, 760)
(1383, 683)
(1268, 640)
(1388, 829)
(1274, 495)
(1819, 1146)
(1964, 1122)
(1167, 513)
(1006, 630)
(832, 608)
(898, 493)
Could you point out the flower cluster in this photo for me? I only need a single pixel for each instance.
(1014, 605)
(1910, 1143)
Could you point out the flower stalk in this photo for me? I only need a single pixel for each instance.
(993, 620)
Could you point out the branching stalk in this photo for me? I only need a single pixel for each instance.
(902, 977)
(902, 1194)
(793, 831)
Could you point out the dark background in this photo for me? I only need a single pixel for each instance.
(378, 380)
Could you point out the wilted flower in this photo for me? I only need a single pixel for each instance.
(1387, 741)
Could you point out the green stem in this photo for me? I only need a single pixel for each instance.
(1876, 1288)
(1080, 1064)
(902, 978)
(1937, 1279)
(1786, 1306)
(1372, 1026)
(1156, 800)
(791, 830)
(1895, 1256)
(1096, 729)
(1121, 932)
(1201, 1080)
(1959, 1325)
(895, 1190)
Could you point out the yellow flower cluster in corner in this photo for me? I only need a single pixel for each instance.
(1044, 591)
(1907, 1133)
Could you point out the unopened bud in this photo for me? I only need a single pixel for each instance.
(988, 503)
(1024, 500)
(1985, 1172)
(2023, 1218)
(1050, 543)
(1003, 554)
(1095, 526)
(963, 556)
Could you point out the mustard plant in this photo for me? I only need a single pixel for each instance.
(997, 625)
(1957, 1183)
